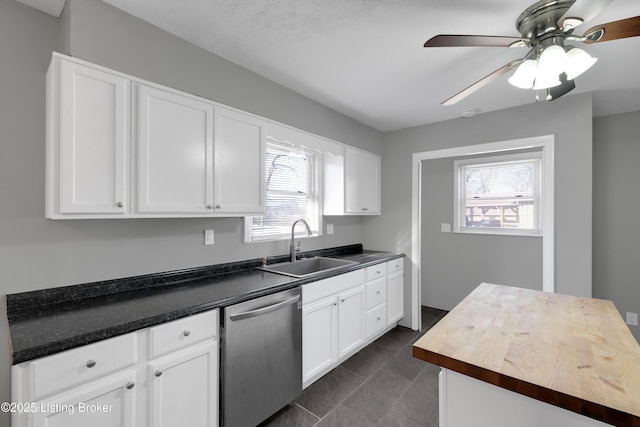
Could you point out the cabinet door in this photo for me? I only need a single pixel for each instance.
(351, 320)
(362, 181)
(240, 145)
(184, 388)
(395, 297)
(174, 153)
(107, 402)
(319, 338)
(93, 141)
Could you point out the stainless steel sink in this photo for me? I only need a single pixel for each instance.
(307, 266)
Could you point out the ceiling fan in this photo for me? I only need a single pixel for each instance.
(545, 27)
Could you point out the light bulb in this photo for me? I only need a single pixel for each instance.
(578, 61)
(525, 74)
(552, 62)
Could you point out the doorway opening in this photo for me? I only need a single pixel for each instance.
(543, 143)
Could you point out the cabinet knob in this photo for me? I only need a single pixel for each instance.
(119, 204)
(377, 292)
(91, 363)
(365, 209)
(341, 299)
(218, 207)
(186, 332)
(378, 318)
(335, 303)
(158, 373)
(209, 207)
(130, 385)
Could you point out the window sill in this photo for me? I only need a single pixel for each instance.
(499, 232)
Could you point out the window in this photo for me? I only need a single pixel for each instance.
(292, 193)
(499, 195)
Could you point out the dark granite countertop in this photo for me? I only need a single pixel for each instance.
(48, 321)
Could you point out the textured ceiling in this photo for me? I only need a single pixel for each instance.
(365, 58)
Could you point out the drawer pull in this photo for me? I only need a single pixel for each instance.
(158, 373)
(377, 292)
(378, 318)
(130, 385)
(91, 363)
(186, 332)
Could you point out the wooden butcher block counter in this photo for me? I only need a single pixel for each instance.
(571, 352)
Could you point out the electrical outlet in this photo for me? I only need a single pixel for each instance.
(208, 237)
(632, 319)
(445, 228)
(329, 228)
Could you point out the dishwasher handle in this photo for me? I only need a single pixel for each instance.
(264, 310)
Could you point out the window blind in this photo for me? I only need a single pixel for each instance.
(290, 194)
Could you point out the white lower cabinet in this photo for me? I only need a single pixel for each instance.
(376, 317)
(332, 323)
(319, 332)
(109, 402)
(118, 382)
(181, 391)
(351, 334)
(344, 313)
(395, 290)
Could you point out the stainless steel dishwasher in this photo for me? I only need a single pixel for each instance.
(261, 357)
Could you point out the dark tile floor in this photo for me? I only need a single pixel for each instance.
(381, 385)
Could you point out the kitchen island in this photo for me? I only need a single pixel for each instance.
(513, 356)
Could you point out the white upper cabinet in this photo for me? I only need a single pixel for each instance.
(362, 182)
(173, 152)
(352, 183)
(240, 147)
(188, 156)
(87, 142)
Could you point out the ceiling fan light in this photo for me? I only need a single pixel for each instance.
(578, 61)
(553, 60)
(525, 74)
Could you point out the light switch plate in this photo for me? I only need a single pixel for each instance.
(208, 237)
(445, 228)
(632, 319)
(329, 228)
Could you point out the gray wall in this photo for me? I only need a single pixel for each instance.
(616, 205)
(569, 119)
(453, 264)
(37, 253)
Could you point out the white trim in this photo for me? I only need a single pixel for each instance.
(547, 143)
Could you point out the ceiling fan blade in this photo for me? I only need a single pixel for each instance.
(583, 9)
(481, 83)
(615, 30)
(452, 40)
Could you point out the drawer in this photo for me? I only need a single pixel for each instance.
(376, 292)
(71, 367)
(182, 333)
(395, 265)
(375, 271)
(331, 286)
(376, 319)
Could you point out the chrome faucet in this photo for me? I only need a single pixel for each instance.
(292, 247)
